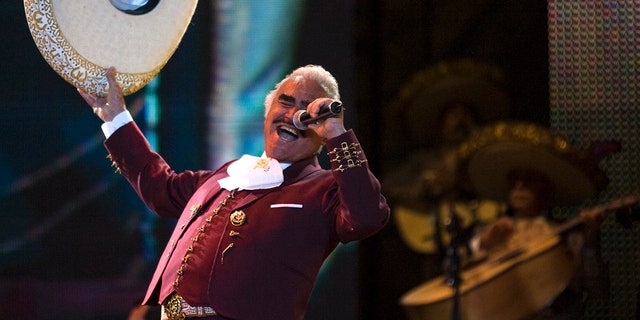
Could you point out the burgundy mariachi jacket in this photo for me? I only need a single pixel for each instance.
(251, 254)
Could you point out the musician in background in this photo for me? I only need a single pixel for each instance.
(537, 176)
(425, 192)
(529, 220)
(436, 111)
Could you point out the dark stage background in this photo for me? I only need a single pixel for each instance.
(74, 238)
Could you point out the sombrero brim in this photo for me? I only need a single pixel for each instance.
(487, 158)
(81, 39)
(422, 100)
(486, 99)
(489, 168)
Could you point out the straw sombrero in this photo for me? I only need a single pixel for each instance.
(480, 85)
(80, 39)
(497, 149)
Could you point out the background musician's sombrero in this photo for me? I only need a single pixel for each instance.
(80, 39)
(497, 149)
(415, 112)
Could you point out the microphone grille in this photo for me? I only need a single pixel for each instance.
(297, 122)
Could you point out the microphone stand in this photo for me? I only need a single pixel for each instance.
(453, 266)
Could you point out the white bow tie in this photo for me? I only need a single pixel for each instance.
(251, 173)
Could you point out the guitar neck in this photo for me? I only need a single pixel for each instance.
(609, 206)
(568, 225)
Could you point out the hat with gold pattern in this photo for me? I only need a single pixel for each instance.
(498, 149)
(81, 39)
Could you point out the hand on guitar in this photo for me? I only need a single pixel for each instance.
(497, 233)
(591, 219)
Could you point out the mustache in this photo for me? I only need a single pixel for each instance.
(284, 120)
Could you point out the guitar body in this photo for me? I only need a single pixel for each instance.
(418, 228)
(511, 285)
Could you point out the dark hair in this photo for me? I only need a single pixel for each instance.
(536, 181)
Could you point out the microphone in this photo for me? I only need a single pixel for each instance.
(301, 118)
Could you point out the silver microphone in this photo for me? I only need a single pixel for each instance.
(301, 118)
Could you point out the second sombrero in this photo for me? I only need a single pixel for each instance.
(497, 149)
(81, 39)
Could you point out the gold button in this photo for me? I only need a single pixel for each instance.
(238, 218)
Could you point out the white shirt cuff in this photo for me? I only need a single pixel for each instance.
(122, 118)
